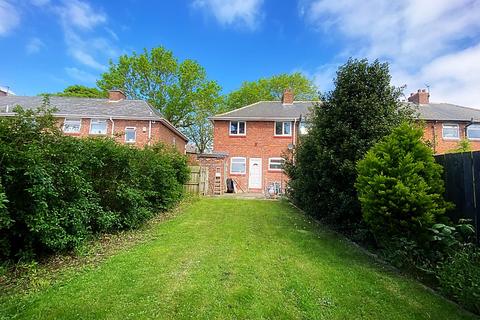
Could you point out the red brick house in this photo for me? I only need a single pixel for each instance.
(132, 122)
(254, 138)
(249, 142)
(445, 123)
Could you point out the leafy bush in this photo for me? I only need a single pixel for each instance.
(400, 187)
(362, 108)
(62, 190)
(459, 278)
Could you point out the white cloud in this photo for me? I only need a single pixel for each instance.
(9, 17)
(80, 21)
(417, 37)
(80, 14)
(34, 45)
(81, 75)
(239, 13)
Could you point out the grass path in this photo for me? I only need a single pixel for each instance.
(235, 259)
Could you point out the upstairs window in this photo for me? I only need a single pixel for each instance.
(238, 165)
(72, 125)
(283, 128)
(275, 164)
(237, 128)
(98, 126)
(450, 131)
(302, 128)
(130, 134)
(473, 132)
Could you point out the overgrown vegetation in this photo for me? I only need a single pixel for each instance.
(362, 108)
(59, 190)
(395, 201)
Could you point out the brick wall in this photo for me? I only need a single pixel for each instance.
(259, 142)
(214, 166)
(159, 132)
(433, 134)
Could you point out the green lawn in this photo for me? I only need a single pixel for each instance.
(235, 259)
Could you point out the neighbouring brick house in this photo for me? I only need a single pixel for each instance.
(132, 122)
(446, 124)
(251, 140)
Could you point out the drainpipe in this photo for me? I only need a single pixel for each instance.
(113, 127)
(149, 132)
(294, 129)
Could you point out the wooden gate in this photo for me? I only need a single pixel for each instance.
(198, 182)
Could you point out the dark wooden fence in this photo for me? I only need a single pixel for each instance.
(462, 185)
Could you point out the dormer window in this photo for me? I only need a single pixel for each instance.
(283, 128)
(237, 128)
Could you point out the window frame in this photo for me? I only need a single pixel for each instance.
(98, 120)
(283, 129)
(477, 125)
(305, 127)
(238, 128)
(134, 129)
(66, 120)
(451, 125)
(270, 163)
(238, 158)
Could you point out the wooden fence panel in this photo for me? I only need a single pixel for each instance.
(198, 180)
(462, 185)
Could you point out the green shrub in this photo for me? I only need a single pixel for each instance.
(400, 187)
(62, 190)
(459, 278)
(360, 110)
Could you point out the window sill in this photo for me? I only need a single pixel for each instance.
(237, 135)
(238, 174)
(289, 137)
(275, 170)
(450, 139)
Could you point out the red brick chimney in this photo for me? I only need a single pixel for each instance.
(420, 97)
(287, 97)
(116, 95)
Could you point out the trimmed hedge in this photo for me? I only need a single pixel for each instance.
(56, 191)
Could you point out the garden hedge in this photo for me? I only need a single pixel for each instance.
(56, 191)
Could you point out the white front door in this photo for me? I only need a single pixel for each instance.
(255, 173)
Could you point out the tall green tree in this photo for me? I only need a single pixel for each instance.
(81, 92)
(177, 89)
(362, 108)
(272, 89)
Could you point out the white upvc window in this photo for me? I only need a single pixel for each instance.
(450, 131)
(275, 164)
(283, 128)
(238, 165)
(237, 128)
(98, 126)
(303, 128)
(130, 134)
(473, 132)
(71, 125)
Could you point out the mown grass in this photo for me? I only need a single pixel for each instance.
(235, 259)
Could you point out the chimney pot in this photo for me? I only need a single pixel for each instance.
(116, 95)
(287, 97)
(420, 97)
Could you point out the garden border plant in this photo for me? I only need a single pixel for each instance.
(59, 191)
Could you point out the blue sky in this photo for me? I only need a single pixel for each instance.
(46, 45)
